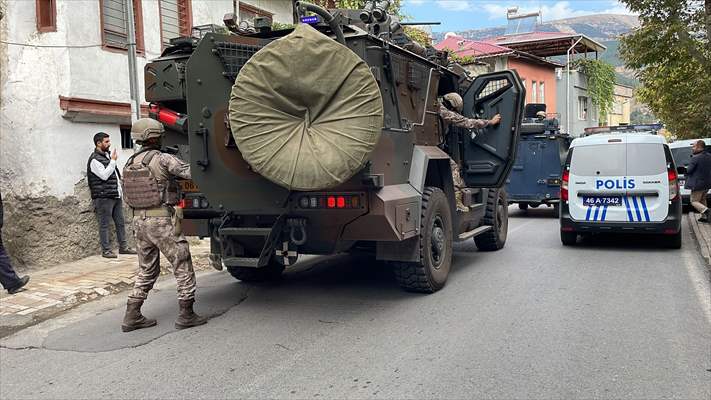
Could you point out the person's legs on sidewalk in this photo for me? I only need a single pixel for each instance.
(8, 277)
(103, 209)
(120, 222)
(698, 201)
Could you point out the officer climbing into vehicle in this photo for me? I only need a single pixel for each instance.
(450, 108)
(150, 189)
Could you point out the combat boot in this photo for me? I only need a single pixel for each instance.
(187, 317)
(134, 319)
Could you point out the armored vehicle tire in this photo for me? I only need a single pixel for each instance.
(568, 238)
(430, 273)
(271, 272)
(496, 216)
(523, 206)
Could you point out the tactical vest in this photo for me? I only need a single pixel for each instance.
(101, 189)
(146, 184)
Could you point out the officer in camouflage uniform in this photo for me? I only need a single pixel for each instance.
(450, 108)
(157, 228)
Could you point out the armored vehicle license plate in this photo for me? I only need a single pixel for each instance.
(602, 200)
(188, 186)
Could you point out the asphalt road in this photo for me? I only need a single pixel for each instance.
(611, 318)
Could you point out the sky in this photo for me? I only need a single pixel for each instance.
(458, 15)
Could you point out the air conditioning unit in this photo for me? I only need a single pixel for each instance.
(559, 73)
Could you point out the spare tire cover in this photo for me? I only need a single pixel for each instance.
(305, 111)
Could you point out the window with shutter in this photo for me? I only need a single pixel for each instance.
(175, 19)
(114, 23)
(46, 15)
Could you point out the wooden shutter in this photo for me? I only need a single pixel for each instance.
(175, 19)
(46, 15)
(114, 23)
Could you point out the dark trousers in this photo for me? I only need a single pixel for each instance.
(106, 210)
(8, 277)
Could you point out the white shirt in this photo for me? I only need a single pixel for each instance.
(104, 173)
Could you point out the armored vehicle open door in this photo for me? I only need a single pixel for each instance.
(488, 159)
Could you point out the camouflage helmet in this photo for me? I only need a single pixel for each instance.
(146, 128)
(455, 100)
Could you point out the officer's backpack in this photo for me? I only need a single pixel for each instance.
(140, 186)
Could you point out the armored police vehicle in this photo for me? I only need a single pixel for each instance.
(325, 139)
(620, 182)
(535, 177)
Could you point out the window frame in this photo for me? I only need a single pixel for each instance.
(580, 109)
(534, 92)
(253, 9)
(542, 92)
(53, 14)
(184, 30)
(138, 19)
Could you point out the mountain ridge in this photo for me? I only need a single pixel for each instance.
(600, 27)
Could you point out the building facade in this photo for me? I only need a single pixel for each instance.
(621, 111)
(537, 74)
(63, 78)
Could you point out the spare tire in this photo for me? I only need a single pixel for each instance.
(305, 111)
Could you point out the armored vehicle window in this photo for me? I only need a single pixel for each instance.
(602, 160)
(114, 23)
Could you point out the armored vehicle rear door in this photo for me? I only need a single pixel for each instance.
(488, 159)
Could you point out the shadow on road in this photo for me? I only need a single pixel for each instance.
(540, 212)
(624, 242)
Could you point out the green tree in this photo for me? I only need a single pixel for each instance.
(672, 56)
(601, 84)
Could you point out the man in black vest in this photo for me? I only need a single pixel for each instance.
(103, 177)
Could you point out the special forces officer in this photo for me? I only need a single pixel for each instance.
(150, 189)
(450, 108)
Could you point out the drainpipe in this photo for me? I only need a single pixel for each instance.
(567, 84)
(132, 64)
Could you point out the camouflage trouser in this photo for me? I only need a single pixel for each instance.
(154, 234)
(458, 185)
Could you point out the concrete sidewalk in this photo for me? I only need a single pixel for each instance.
(59, 288)
(702, 232)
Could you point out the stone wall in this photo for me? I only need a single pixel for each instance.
(44, 231)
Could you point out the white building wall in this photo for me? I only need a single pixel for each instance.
(282, 9)
(43, 155)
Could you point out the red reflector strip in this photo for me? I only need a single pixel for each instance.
(670, 232)
(566, 229)
(341, 202)
(331, 202)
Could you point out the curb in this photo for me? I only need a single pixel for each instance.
(703, 239)
(48, 299)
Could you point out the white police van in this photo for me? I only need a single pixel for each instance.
(620, 182)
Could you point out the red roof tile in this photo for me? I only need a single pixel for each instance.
(465, 47)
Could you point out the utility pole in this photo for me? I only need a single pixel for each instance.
(132, 63)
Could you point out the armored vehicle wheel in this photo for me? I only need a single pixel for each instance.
(271, 272)
(497, 216)
(430, 273)
(568, 238)
(523, 206)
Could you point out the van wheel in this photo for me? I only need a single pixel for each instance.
(673, 241)
(556, 209)
(568, 238)
(269, 273)
(430, 273)
(523, 206)
(496, 216)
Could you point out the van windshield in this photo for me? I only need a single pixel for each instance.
(603, 159)
(682, 156)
